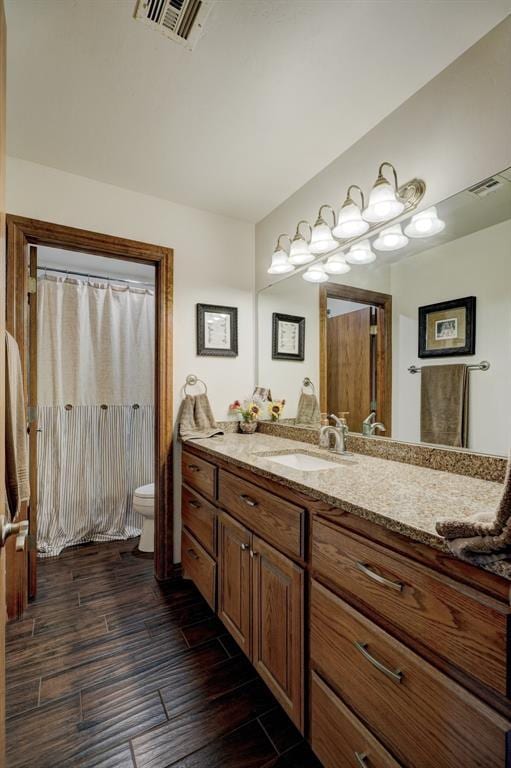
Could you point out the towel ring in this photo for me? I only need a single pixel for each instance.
(192, 380)
(308, 383)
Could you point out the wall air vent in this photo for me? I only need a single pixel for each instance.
(181, 20)
(487, 187)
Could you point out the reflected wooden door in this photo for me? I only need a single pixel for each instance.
(3, 605)
(350, 370)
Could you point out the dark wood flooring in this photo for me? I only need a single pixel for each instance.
(108, 669)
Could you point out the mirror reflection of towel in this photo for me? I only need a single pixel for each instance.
(307, 411)
(16, 443)
(444, 405)
(196, 418)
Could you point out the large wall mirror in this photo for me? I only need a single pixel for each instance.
(415, 346)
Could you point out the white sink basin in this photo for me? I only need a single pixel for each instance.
(302, 461)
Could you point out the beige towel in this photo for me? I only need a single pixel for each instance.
(16, 447)
(444, 405)
(308, 410)
(196, 418)
(483, 538)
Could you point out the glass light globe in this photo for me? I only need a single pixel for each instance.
(425, 224)
(361, 253)
(383, 203)
(336, 265)
(315, 274)
(299, 253)
(350, 222)
(280, 263)
(390, 239)
(321, 238)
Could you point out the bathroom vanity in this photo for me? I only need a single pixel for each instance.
(382, 648)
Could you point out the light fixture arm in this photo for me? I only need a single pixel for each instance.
(298, 233)
(349, 197)
(329, 207)
(277, 246)
(381, 177)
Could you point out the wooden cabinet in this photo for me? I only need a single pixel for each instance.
(423, 717)
(260, 601)
(199, 517)
(199, 566)
(199, 474)
(278, 625)
(234, 580)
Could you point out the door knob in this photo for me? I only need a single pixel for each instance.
(20, 530)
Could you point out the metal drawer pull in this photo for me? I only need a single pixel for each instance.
(396, 675)
(248, 500)
(396, 585)
(193, 554)
(361, 759)
(244, 547)
(253, 553)
(193, 468)
(194, 504)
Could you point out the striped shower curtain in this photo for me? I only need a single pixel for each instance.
(95, 412)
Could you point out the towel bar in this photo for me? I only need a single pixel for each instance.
(482, 366)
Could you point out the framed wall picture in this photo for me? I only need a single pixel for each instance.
(288, 337)
(217, 330)
(448, 328)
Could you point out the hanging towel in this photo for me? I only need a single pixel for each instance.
(196, 418)
(444, 405)
(16, 449)
(308, 410)
(483, 538)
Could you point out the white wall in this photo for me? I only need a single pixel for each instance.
(476, 265)
(452, 133)
(213, 260)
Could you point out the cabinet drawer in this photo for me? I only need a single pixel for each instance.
(465, 627)
(423, 717)
(199, 567)
(278, 521)
(200, 474)
(199, 516)
(338, 737)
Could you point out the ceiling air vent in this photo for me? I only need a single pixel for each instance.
(181, 20)
(487, 187)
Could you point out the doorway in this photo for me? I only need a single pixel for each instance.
(24, 236)
(356, 354)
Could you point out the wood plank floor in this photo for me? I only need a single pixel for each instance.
(108, 669)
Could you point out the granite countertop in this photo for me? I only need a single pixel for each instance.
(402, 497)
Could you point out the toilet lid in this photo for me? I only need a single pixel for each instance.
(145, 491)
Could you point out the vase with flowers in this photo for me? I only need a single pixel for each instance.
(248, 414)
(275, 409)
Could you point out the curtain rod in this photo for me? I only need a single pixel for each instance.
(94, 277)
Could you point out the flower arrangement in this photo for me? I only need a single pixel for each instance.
(248, 412)
(275, 409)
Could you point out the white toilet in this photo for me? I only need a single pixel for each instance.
(143, 503)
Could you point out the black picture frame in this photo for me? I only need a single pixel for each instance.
(427, 349)
(204, 347)
(276, 351)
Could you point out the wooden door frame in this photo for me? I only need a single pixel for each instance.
(23, 232)
(383, 303)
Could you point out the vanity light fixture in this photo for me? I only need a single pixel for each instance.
(315, 273)
(361, 253)
(349, 221)
(383, 200)
(299, 253)
(336, 265)
(280, 263)
(391, 239)
(425, 224)
(321, 236)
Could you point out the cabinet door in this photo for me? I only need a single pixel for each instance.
(277, 621)
(234, 579)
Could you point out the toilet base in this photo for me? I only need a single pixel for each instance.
(146, 543)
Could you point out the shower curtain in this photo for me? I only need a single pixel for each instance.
(95, 409)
